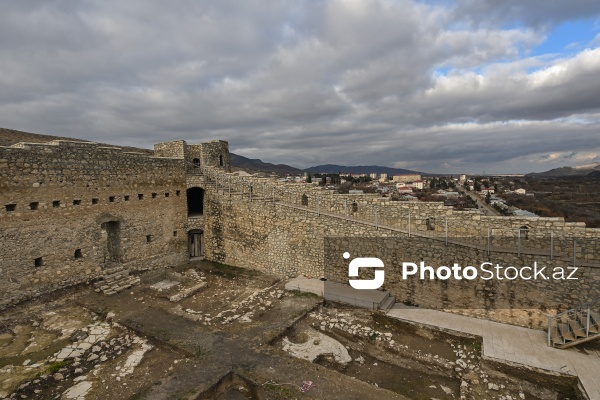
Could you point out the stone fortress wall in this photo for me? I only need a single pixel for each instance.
(283, 229)
(72, 209)
(433, 219)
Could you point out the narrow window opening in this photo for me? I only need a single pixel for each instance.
(174, 233)
(304, 200)
(78, 253)
(167, 194)
(76, 202)
(34, 205)
(126, 198)
(430, 222)
(178, 193)
(140, 196)
(94, 201)
(56, 203)
(111, 199)
(11, 207)
(221, 160)
(148, 238)
(38, 262)
(354, 206)
(196, 163)
(153, 195)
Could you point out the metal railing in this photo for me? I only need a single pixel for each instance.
(574, 326)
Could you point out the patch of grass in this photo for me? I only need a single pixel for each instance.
(142, 394)
(229, 271)
(476, 347)
(373, 336)
(286, 390)
(199, 350)
(297, 293)
(300, 337)
(56, 366)
(410, 303)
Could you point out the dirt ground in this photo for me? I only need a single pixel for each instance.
(210, 331)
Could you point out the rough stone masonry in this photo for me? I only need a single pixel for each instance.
(72, 210)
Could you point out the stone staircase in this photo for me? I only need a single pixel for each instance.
(116, 280)
(574, 326)
(387, 303)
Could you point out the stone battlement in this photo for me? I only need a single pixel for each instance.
(72, 210)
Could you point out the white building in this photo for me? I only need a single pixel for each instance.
(406, 177)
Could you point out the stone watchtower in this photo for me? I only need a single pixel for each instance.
(214, 153)
(198, 158)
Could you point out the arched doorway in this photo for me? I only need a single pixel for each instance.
(196, 243)
(195, 202)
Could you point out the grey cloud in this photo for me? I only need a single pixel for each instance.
(530, 12)
(300, 82)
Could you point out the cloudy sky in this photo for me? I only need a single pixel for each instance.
(440, 86)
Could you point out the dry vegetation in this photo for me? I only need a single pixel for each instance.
(573, 198)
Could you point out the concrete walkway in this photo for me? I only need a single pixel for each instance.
(501, 342)
(513, 344)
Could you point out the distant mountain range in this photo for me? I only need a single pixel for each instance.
(359, 169)
(258, 165)
(588, 169)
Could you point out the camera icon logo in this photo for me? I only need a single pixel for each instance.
(365, 262)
